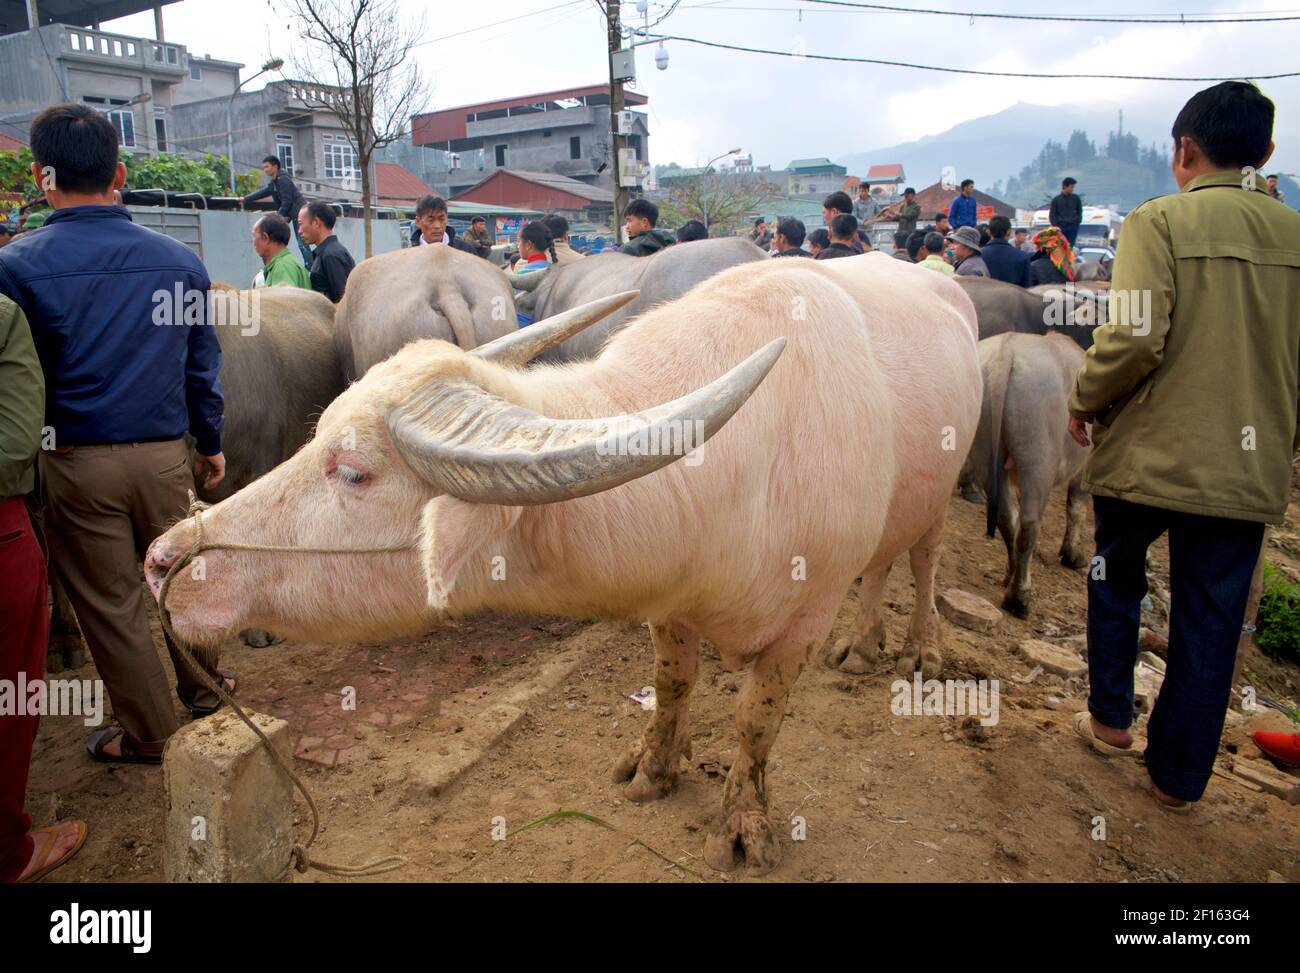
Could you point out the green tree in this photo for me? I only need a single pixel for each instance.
(16, 180)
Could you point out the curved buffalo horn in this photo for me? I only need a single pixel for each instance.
(478, 447)
(522, 346)
(526, 282)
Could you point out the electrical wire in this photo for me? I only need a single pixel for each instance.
(1182, 19)
(967, 71)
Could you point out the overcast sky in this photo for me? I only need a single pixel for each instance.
(709, 101)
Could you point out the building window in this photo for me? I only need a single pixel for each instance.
(634, 142)
(341, 161)
(124, 123)
(171, 55)
(160, 129)
(285, 153)
(501, 155)
(575, 147)
(157, 53)
(75, 40)
(196, 72)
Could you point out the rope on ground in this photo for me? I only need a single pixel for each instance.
(300, 859)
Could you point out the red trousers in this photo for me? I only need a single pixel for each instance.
(24, 633)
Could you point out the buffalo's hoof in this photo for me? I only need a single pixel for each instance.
(973, 494)
(1017, 604)
(1072, 560)
(743, 838)
(259, 639)
(647, 778)
(924, 659)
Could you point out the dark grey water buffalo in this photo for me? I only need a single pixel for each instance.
(1048, 308)
(664, 277)
(278, 373)
(1022, 447)
(422, 292)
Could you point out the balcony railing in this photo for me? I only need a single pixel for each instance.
(139, 53)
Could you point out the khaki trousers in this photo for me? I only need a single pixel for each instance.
(104, 506)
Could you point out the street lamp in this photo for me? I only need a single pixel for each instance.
(274, 64)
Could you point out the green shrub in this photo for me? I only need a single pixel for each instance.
(1279, 615)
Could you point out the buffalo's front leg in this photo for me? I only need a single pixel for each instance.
(743, 830)
(651, 764)
(858, 651)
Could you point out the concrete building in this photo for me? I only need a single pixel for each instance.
(288, 119)
(814, 176)
(562, 132)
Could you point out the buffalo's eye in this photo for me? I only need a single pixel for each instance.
(352, 475)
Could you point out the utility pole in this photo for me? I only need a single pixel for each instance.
(615, 106)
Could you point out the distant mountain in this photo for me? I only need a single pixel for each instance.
(995, 147)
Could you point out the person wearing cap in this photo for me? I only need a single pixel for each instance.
(966, 249)
(909, 212)
(478, 237)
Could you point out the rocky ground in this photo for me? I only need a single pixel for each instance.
(502, 721)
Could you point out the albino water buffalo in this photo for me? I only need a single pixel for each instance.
(1023, 446)
(421, 292)
(664, 276)
(1002, 307)
(553, 490)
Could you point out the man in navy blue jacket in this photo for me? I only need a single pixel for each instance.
(964, 209)
(119, 317)
(1005, 262)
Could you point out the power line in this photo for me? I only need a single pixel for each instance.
(969, 71)
(1177, 19)
(508, 20)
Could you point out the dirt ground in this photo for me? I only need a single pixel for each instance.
(881, 797)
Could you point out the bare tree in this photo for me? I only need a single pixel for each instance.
(357, 52)
(718, 201)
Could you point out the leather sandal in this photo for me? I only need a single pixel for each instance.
(97, 741)
(45, 839)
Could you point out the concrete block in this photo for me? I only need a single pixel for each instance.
(968, 610)
(229, 806)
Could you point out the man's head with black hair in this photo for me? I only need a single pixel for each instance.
(915, 243)
(74, 154)
(818, 240)
(967, 186)
(844, 228)
(790, 233)
(900, 240)
(641, 216)
(999, 227)
(315, 222)
(558, 226)
(1226, 127)
(692, 230)
(431, 217)
(934, 243)
(837, 202)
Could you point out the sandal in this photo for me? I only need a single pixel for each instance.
(45, 839)
(1184, 807)
(97, 741)
(224, 674)
(1083, 726)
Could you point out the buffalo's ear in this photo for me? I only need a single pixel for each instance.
(451, 531)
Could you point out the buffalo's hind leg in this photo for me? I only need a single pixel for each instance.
(857, 651)
(651, 764)
(1073, 553)
(923, 649)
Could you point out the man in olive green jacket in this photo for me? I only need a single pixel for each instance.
(25, 855)
(1192, 395)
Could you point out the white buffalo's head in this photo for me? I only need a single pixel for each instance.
(429, 428)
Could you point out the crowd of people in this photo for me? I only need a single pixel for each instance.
(97, 401)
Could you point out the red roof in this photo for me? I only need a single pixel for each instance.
(894, 171)
(10, 144)
(395, 185)
(534, 190)
(449, 123)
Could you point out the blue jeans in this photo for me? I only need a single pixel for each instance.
(1211, 561)
(1070, 231)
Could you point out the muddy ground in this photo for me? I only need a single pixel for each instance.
(881, 797)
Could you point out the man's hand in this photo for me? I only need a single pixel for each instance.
(209, 471)
(1079, 430)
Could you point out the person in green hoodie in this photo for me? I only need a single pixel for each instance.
(1192, 392)
(279, 266)
(25, 854)
(643, 238)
